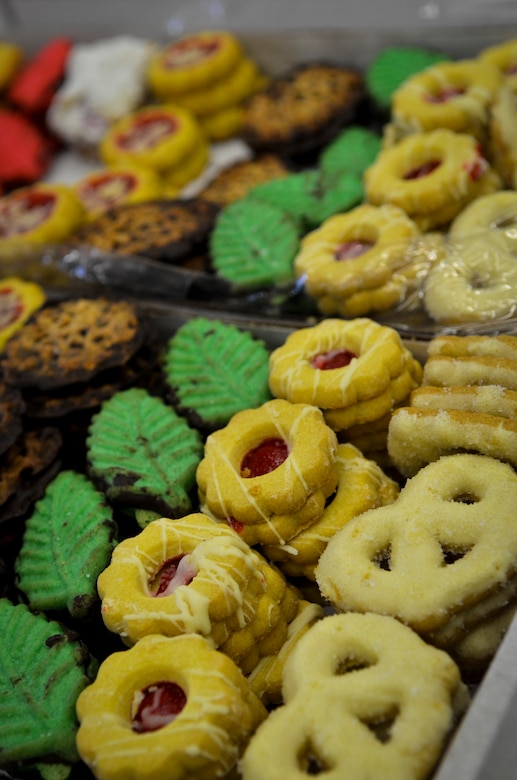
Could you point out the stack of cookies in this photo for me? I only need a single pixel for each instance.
(467, 402)
(441, 558)
(355, 371)
(193, 575)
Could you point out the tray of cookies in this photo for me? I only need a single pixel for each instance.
(182, 490)
(258, 406)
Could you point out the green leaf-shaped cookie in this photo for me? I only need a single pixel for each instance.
(42, 671)
(352, 151)
(311, 196)
(253, 244)
(142, 454)
(68, 541)
(216, 370)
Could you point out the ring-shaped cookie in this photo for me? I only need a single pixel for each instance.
(496, 212)
(368, 356)
(266, 678)
(454, 95)
(307, 463)
(358, 249)
(177, 576)
(502, 56)
(476, 281)
(364, 697)
(394, 560)
(374, 409)
(157, 137)
(38, 214)
(216, 713)
(220, 95)
(193, 62)
(427, 173)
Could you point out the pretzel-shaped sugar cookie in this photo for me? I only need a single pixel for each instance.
(364, 697)
(446, 543)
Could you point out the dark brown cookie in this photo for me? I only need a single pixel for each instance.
(32, 454)
(82, 396)
(71, 341)
(237, 180)
(11, 409)
(166, 230)
(302, 109)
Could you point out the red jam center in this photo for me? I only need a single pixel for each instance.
(160, 704)
(11, 307)
(268, 456)
(236, 525)
(444, 95)
(350, 249)
(106, 189)
(25, 212)
(175, 572)
(189, 51)
(422, 170)
(146, 132)
(511, 70)
(477, 167)
(336, 358)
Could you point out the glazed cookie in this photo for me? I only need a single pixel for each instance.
(362, 485)
(475, 280)
(502, 145)
(108, 187)
(336, 363)
(190, 575)
(269, 472)
(502, 56)
(351, 675)
(19, 299)
(193, 62)
(266, 678)
(431, 175)
(357, 250)
(40, 213)
(430, 554)
(162, 138)
(452, 95)
(495, 212)
(302, 109)
(149, 702)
